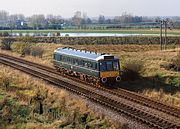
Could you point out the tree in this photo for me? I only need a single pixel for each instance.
(101, 19)
(54, 22)
(89, 21)
(17, 21)
(3, 18)
(77, 19)
(126, 18)
(37, 21)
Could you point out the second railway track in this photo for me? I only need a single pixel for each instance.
(143, 116)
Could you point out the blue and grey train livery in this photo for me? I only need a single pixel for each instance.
(103, 68)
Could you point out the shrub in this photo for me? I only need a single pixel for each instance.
(26, 39)
(175, 81)
(177, 61)
(6, 43)
(5, 81)
(22, 48)
(132, 70)
(5, 34)
(26, 48)
(37, 51)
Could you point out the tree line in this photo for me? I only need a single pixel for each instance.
(79, 20)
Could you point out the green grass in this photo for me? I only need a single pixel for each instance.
(122, 31)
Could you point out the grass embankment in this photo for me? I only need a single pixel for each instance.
(26, 102)
(155, 82)
(122, 31)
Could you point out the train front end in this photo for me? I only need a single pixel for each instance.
(109, 68)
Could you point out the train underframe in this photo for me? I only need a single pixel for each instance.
(87, 78)
(84, 77)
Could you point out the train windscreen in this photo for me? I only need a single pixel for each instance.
(109, 66)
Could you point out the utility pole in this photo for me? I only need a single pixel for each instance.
(165, 34)
(161, 24)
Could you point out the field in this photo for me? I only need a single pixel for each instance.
(22, 92)
(122, 31)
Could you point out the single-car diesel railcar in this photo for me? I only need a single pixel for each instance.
(90, 66)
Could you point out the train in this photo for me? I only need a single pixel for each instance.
(98, 68)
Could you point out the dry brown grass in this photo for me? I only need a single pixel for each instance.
(24, 89)
(150, 55)
(167, 98)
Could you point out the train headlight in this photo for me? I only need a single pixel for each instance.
(104, 80)
(118, 79)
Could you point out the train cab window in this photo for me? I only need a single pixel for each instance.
(57, 57)
(102, 66)
(115, 65)
(109, 66)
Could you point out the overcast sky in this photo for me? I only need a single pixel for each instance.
(66, 8)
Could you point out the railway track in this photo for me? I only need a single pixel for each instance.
(132, 96)
(46, 74)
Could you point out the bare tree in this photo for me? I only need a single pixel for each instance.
(77, 19)
(37, 21)
(101, 19)
(4, 18)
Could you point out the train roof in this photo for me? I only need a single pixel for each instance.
(84, 54)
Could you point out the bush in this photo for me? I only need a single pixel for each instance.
(175, 81)
(37, 51)
(132, 70)
(5, 81)
(4, 34)
(27, 48)
(22, 48)
(6, 43)
(26, 39)
(177, 61)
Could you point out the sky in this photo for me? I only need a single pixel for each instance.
(93, 8)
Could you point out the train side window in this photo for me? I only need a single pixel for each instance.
(60, 57)
(56, 57)
(76, 62)
(85, 64)
(71, 60)
(80, 62)
(68, 59)
(95, 67)
(90, 65)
